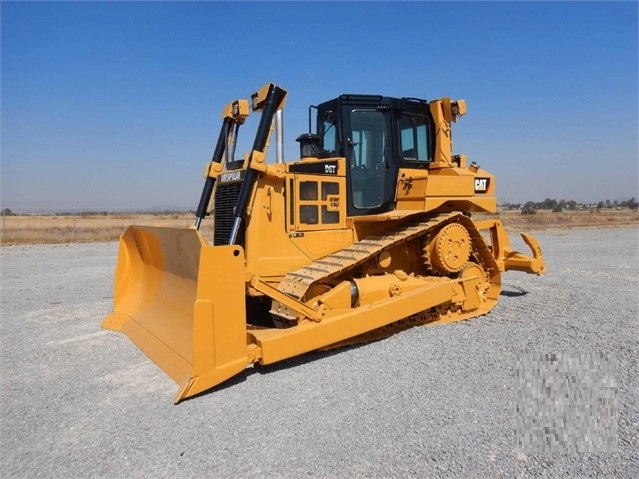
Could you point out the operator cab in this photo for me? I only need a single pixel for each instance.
(377, 135)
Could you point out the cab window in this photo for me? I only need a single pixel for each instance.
(414, 138)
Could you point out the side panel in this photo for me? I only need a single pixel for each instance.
(446, 189)
(269, 250)
(298, 218)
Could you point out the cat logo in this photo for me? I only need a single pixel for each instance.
(481, 185)
(231, 176)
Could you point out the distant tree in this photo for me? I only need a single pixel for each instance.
(529, 208)
(512, 206)
(7, 212)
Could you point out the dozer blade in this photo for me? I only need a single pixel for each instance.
(175, 296)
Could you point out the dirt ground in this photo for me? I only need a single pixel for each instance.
(439, 401)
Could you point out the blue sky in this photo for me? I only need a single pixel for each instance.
(116, 105)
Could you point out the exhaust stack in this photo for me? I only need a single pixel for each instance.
(279, 136)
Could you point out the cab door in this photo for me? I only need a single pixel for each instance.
(371, 169)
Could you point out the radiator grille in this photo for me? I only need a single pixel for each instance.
(226, 195)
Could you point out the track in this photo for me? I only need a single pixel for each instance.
(343, 264)
(296, 283)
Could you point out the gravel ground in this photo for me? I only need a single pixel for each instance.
(428, 402)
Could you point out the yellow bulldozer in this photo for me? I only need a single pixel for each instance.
(369, 232)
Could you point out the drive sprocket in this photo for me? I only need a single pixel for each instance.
(448, 250)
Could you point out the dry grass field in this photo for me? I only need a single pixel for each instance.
(83, 228)
(48, 229)
(543, 220)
